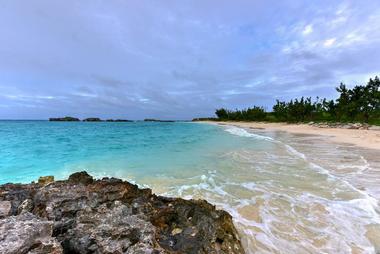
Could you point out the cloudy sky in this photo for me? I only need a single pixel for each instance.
(178, 59)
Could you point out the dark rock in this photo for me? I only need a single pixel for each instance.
(92, 119)
(123, 120)
(81, 177)
(114, 216)
(119, 120)
(16, 194)
(64, 119)
(157, 120)
(113, 229)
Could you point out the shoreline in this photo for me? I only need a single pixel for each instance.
(369, 139)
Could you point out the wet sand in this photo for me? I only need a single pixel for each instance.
(362, 138)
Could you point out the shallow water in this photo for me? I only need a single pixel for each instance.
(287, 193)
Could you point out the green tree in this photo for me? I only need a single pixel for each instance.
(361, 103)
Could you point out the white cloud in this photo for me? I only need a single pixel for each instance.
(31, 97)
(329, 43)
(339, 21)
(90, 95)
(352, 38)
(307, 30)
(144, 100)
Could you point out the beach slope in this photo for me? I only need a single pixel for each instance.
(362, 138)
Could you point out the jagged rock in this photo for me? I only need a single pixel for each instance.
(43, 180)
(113, 216)
(157, 120)
(92, 119)
(81, 177)
(5, 208)
(374, 128)
(346, 126)
(27, 233)
(356, 126)
(111, 230)
(118, 120)
(64, 119)
(16, 194)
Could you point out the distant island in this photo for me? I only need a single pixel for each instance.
(90, 119)
(64, 119)
(96, 119)
(118, 120)
(157, 120)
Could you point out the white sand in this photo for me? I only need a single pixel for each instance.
(363, 138)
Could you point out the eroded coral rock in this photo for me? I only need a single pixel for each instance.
(5, 208)
(27, 233)
(83, 215)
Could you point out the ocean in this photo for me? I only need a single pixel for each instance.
(287, 193)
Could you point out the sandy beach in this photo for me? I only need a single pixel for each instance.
(362, 138)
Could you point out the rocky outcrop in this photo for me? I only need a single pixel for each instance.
(27, 233)
(357, 126)
(84, 215)
(64, 119)
(157, 120)
(119, 120)
(92, 119)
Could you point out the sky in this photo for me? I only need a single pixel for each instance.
(178, 59)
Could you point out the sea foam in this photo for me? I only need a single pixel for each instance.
(243, 133)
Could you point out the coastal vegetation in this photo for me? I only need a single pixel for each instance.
(358, 104)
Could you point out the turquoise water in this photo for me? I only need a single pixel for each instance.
(287, 193)
(30, 149)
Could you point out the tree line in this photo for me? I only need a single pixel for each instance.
(359, 104)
